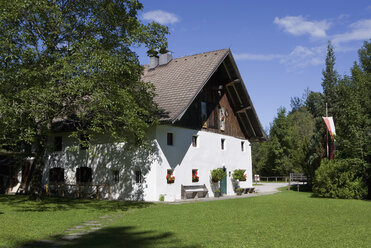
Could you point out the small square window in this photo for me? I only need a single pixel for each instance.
(58, 143)
(194, 140)
(222, 144)
(242, 146)
(138, 176)
(170, 139)
(195, 177)
(116, 176)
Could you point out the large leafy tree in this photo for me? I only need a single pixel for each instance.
(72, 62)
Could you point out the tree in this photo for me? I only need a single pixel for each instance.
(72, 62)
(330, 78)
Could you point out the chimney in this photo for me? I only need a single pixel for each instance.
(165, 58)
(153, 62)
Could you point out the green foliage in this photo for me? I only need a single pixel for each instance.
(218, 174)
(341, 178)
(72, 61)
(162, 197)
(239, 175)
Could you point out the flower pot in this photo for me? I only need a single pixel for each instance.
(217, 194)
(239, 192)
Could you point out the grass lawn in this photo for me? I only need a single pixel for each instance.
(287, 219)
(22, 221)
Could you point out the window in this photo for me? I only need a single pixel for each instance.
(84, 142)
(83, 175)
(58, 143)
(194, 140)
(222, 144)
(170, 138)
(56, 175)
(195, 177)
(138, 176)
(116, 177)
(170, 176)
(242, 146)
(203, 112)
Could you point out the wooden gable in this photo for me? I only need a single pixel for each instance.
(212, 109)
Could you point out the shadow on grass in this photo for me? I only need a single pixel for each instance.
(22, 204)
(115, 237)
(301, 187)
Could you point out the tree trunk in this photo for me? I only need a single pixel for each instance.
(36, 187)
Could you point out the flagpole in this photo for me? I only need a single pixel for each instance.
(327, 150)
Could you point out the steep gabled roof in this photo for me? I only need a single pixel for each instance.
(180, 81)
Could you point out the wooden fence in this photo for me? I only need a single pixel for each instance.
(274, 178)
(97, 191)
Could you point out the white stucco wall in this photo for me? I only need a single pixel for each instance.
(182, 157)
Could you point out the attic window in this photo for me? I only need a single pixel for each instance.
(222, 144)
(170, 139)
(194, 140)
(242, 146)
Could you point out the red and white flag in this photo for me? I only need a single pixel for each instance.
(330, 125)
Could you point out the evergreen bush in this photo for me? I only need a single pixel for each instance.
(341, 178)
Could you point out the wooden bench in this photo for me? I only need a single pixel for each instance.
(194, 191)
(248, 190)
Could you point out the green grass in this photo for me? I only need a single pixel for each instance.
(287, 219)
(23, 221)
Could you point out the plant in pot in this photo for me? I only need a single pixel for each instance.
(217, 175)
(239, 175)
(239, 191)
(217, 193)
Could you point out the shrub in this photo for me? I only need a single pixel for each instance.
(218, 174)
(341, 178)
(161, 198)
(239, 175)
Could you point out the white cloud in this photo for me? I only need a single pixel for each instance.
(297, 25)
(360, 30)
(299, 57)
(256, 57)
(161, 17)
(302, 57)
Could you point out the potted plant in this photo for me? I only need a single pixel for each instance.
(217, 175)
(239, 175)
(239, 191)
(217, 193)
(195, 177)
(170, 178)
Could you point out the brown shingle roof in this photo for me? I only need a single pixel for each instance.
(179, 82)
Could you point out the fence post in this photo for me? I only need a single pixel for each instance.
(62, 189)
(109, 192)
(97, 192)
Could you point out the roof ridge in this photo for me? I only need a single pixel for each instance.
(218, 50)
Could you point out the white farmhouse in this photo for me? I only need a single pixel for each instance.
(208, 122)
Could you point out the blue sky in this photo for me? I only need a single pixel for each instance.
(279, 46)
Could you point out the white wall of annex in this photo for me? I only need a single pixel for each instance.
(182, 157)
